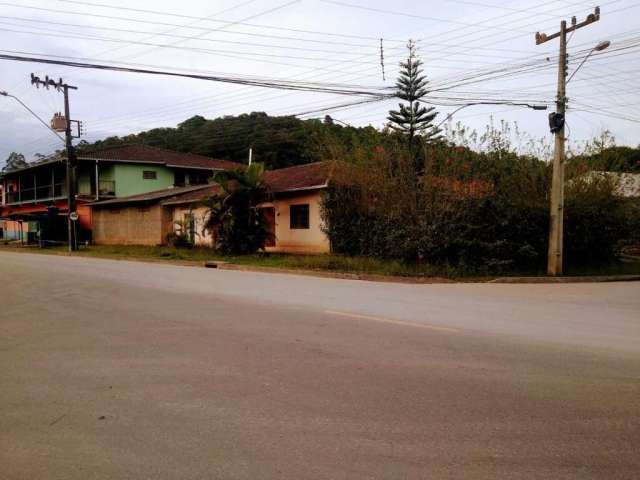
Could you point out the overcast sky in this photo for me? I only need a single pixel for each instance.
(312, 41)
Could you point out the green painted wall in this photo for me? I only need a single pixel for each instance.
(86, 174)
(129, 180)
(107, 172)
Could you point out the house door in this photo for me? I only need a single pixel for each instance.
(190, 228)
(269, 215)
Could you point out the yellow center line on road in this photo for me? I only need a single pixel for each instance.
(391, 322)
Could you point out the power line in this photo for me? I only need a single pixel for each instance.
(410, 15)
(184, 37)
(176, 15)
(282, 85)
(217, 52)
(237, 22)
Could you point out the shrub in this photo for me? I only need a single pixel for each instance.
(597, 221)
(234, 219)
(486, 211)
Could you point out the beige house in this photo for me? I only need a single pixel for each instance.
(293, 213)
(137, 219)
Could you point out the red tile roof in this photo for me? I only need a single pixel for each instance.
(144, 154)
(157, 195)
(301, 177)
(193, 196)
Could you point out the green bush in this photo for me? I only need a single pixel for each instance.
(597, 221)
(235, 220)
(483, 211)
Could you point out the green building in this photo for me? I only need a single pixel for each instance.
(38, 193)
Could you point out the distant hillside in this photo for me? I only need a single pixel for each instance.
(611, 159)
(276, 141)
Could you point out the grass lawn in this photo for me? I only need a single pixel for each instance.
(318, 263)
(326, 262)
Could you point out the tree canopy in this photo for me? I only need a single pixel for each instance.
(277, 142)
(13, 162)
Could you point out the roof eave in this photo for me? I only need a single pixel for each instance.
(301, 189)
(36, 165)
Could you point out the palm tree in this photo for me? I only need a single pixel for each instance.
(234, 219)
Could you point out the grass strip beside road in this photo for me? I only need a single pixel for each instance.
(358, 267)
(278, 261)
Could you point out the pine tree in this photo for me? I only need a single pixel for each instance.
(413, 118)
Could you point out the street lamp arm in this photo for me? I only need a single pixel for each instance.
(453, 113)
(598, 48)
(5, 94)
(528, 105)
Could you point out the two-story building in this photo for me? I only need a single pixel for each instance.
(34, 198)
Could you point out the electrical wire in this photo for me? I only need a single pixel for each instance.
(282, 85)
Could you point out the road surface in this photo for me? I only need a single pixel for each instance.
(124, 370)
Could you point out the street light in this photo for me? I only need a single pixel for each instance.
(598, 48)
(5, 94)
(343, 123)
(533, 107)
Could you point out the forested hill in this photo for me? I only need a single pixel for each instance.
(276, 141)
(285, 141)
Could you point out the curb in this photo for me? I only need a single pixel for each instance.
(322, 274)
(583, 279)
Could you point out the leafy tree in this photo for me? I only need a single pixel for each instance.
(602, 154)
(483, 210)
(276, 141)
(413, 118)
(234, 219)
(14, 161)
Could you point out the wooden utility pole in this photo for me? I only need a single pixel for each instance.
(556, 123)
(71, 156)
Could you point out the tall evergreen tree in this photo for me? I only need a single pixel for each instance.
(413, 118)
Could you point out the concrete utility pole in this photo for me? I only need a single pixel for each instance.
(556, 123)
(71, 155)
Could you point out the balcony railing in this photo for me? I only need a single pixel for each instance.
(45, 192)
(106, 188)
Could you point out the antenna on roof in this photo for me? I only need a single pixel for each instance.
(382, 60)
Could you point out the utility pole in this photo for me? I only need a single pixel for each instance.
(556, 123)
(71, 153)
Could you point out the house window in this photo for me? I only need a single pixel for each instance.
(149, 174)
(178, 178)
(299, 216)
(198, 178)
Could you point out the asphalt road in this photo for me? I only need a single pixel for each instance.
(123, 370)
